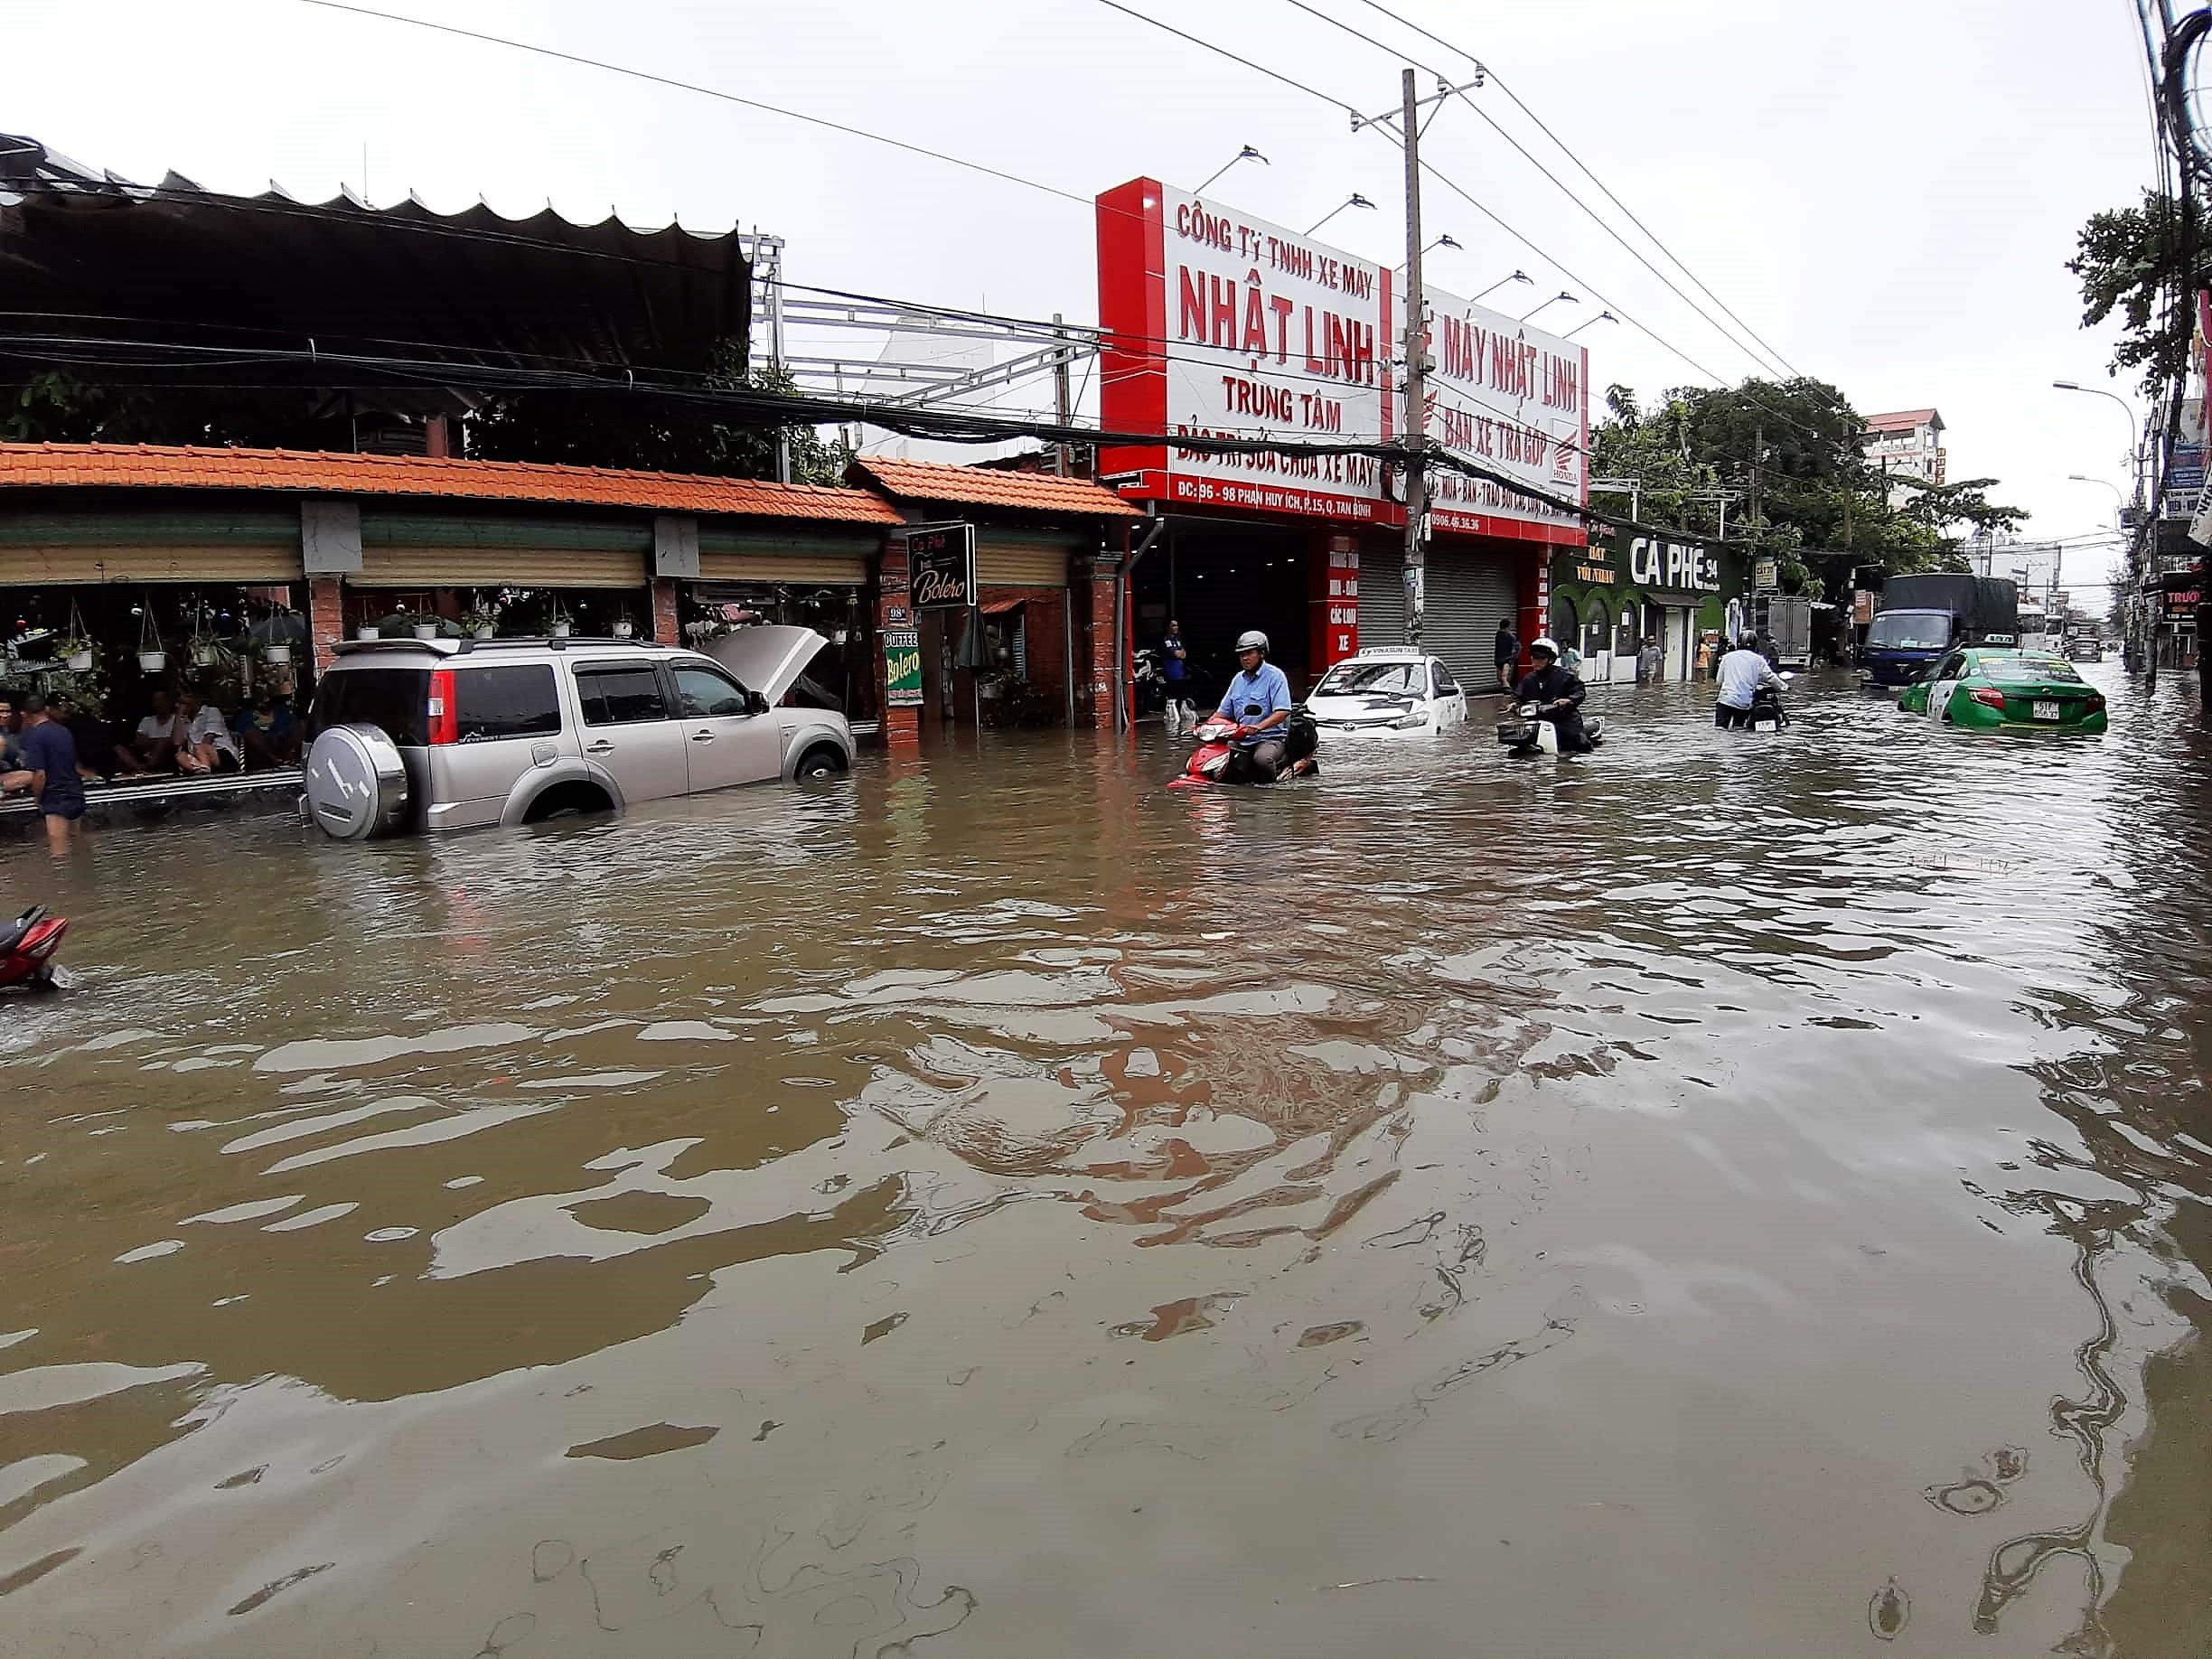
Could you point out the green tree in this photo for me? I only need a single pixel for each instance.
(2131, 262)
(1654, 450)
(560, 426)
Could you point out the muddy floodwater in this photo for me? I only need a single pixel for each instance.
(1732, 1196)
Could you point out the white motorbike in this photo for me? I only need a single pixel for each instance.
(1527, 732)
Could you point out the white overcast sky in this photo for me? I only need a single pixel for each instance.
(1885, 190)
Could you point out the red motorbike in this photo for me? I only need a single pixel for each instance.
(1215, 760)
(27, 947)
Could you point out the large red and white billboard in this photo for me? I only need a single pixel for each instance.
(1512, 400)
(1220, 325)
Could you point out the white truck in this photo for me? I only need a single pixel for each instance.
(1786, 620)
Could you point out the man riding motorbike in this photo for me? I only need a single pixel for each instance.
(1259, 701)
(1558, 695)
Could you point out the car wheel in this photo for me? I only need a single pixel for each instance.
(819, 761)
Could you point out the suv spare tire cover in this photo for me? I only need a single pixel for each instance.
(357, 783)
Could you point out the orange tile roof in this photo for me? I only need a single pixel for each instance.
(1903, 420)
(978, 486)
(147, 466)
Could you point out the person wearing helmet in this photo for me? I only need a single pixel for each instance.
(1558, 694)
(1743, 671)
(1259, 701)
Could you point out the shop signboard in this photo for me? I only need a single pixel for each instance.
(902, 667)
(1219, 324)
(941, 566)
(1512, 400)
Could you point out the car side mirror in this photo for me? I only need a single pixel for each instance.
(755, 703)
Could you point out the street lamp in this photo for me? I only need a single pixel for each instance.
(1442, 241)
(1354, 200)
(1603, 316)
(1501, 282)
(1246, 154)
(2134, 426)
(1555, 299)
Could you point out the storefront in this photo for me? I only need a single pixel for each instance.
(233, 571)
(1623, 587)
(1221, 326)
(1019, 656)
(2176, 605)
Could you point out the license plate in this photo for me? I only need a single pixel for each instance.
(2047, 711)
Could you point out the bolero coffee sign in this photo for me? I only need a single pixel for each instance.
(941, 566)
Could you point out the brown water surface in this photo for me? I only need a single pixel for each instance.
(1728, 1197)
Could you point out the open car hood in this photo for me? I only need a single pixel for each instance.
(766, 659)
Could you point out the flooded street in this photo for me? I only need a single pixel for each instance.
(1730, 1195)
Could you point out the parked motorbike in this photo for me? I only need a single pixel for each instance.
(1216, 759)
(27, 948)
(1526, 733)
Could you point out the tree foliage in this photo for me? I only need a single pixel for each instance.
(1789, 456)
(2129, 261)
(558, 427)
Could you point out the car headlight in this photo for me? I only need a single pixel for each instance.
(1410, 722)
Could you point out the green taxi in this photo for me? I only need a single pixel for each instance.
(1984, 688)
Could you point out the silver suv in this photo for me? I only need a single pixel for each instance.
(438, 735)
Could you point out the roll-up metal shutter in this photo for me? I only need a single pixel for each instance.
(421, 567)
(829, 570)
(1010, 560)
(1381, 596)
(403, 549)
(1467, 594)
(230, 545)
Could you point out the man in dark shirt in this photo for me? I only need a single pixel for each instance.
(1508, 653)
(50, 755)
(1558, 694)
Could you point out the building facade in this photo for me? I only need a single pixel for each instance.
(1222, 328)
(1624, 587)
(1907, 444)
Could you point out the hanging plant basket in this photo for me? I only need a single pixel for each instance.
(367, 631)
(153, 661)
(78, 661)
(152, 657)
(425, 631)
(276, 653)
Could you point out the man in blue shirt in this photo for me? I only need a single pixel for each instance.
(50, 755)
(1174, 668)
(1259, 701)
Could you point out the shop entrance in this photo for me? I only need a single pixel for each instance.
(1219, 577)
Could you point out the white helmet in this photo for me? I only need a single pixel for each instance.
(1542, 644)
(1251, 639)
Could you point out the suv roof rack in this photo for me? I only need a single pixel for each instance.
(467, 646)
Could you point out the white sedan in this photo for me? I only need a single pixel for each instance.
(1387, 689)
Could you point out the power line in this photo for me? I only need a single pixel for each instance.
(705, 91)
(1565, 150)
(1775, 365)
(1223, 52)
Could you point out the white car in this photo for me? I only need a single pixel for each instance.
(1387, 689)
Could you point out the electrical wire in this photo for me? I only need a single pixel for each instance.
(1565, 150)
(705, 91)
(1764, 365)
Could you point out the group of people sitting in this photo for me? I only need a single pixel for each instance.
(179, 734)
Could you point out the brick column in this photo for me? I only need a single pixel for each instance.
(325, 618)
(1095, 668)
(902, 727)
(667, 619)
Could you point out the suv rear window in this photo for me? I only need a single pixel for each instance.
(491, 703)
(398, 699)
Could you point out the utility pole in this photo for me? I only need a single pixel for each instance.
(1416, 381)
(1062, 397)
(1758, 459)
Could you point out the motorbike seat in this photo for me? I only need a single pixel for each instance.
(12, 933)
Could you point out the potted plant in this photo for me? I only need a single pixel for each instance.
(481, 620)
(277, 651)
(559, 624)
(623, 626)
(368, 631)
(74, 652)
(425, 627)
(152, 656)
